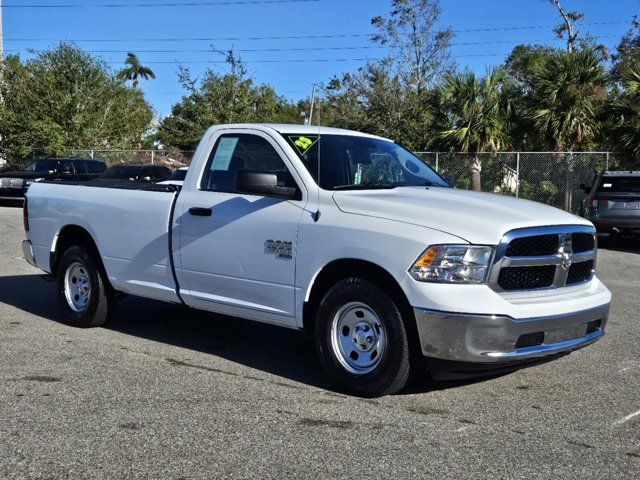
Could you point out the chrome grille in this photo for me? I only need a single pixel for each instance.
(544, 257)
(530, 246)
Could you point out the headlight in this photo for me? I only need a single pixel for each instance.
(452, 264)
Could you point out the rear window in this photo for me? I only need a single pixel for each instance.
(619, 184)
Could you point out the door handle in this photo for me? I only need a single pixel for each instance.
(200, 212)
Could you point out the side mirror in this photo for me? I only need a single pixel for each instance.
(262, 183)
(584, 188)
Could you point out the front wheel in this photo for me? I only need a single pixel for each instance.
(361, 339)
(83, 293)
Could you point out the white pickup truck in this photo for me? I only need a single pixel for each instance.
(344, 235)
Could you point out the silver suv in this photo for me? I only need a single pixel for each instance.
(613, 203)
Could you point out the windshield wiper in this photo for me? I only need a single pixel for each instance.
(366, 186)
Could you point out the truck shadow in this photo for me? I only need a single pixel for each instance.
(628, 245)
(274, 350)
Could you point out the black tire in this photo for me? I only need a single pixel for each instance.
(392, 370)
(101, 299)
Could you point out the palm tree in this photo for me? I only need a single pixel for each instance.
(624, 115)
(568, 92)
(134, 71)
(479, 112)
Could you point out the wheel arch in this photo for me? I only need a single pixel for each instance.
(337, 270)
(71, 235)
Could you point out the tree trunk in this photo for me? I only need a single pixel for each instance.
(476, 169)
(568, 189)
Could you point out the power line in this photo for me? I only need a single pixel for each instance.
(202, 39)
(531, 27)
(302, 49)
(216, 50)
(288, 37)
(293, 60)
(173, 4)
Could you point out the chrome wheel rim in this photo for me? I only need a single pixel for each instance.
(358, 338)
(77, 288)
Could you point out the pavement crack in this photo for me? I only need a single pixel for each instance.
(428, 411)
(41, 378)
(579, 444)
(179, 363)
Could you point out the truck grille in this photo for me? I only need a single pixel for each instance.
(582, 242)
(580, 272)
(522, 278)
(544, 257)
(530, 246)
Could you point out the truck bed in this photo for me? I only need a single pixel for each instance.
(129, 222)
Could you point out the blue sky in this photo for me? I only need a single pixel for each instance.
(138, 30)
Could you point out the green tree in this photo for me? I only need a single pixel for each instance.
(518, 87)
(568, 93)
(232, 97)
(566, 104)
(627, 55)
(478, 113)
(375, 101)
(624, 116)
(134, 71)
(66, 99)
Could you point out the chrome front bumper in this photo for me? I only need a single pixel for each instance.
(27, 252)
(493, 339)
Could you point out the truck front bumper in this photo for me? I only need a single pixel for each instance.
(500, 339)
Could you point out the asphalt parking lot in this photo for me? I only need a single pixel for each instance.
(167, 393)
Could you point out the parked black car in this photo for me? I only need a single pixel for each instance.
(13, 184)
(613, 203)
(137, 173)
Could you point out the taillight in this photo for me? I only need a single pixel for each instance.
(595, 200)
(25, 214)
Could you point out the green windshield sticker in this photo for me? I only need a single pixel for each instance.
(302, 143)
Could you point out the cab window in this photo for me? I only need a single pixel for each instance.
(236, 152)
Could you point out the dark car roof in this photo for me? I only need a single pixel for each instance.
(72, 159)
(621, 174)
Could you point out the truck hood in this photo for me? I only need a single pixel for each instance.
(476, 217)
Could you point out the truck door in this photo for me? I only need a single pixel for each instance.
(236, 252)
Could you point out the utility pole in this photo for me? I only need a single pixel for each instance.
(313, 100)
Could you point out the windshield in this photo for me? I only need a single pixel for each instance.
(179, 174)
(619, 184)
(350, 162)
(122, 172)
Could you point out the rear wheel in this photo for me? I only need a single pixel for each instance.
(83, 292)
(361, 339)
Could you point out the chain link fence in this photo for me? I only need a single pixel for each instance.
(553, 178)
